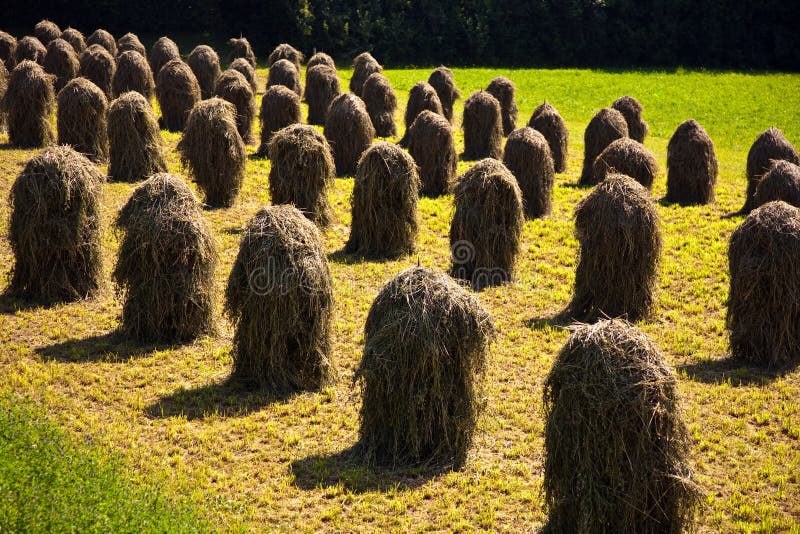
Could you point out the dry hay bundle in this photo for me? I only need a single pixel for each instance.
(213, 151)
(55, 227)
(162, 52)
(280, 107)
(3, 87)
(287, 52)
(130, 41)
(384, 203)
(62, 62)
(132, 74)
(421, 97)
(616, 446)
(381, 103)
(443, 81)
(487, 225)
(135, 146)
(781, 182)
(204, 62)
(322, 88)
(241, 48)
(321, 58)
(234, 88)
(280, 300)
(547, 121)
(166, 262)
(764, 296)
(28, 103)
(81, 119)
(46, 31)
(631, 109)
(483, 127)
(606, 126)
(503, 90)
(8, 47)
(619, 234)
(527, 156)
(177, 92)
(432, 145)
(770, 145)
(103, 38)
(283, 72)
(426, 341)
(29, 49)
(302, 171)
(75, 39)
(97, 66)
(691, 165)
(241, 65)
(364, 65)
(349, 132)
(628, 157)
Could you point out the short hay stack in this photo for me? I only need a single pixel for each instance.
(691, 165)
(177, 92)
(547, 121)
(432, 145)
(527, 156)
(81, 119)
(503, 90)
(770, 145)
(483, 127)
(28, 103)
(349, 131)
(606, 126)
(628, 157)
(135, 146)
(280, 107)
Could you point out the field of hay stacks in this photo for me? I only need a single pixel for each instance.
(245, 459)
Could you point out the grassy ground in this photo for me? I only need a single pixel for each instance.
(251, 461)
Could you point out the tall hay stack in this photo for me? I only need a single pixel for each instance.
(283, 72)
(280, 107)
(287, 52)
(213, 151)
(322, 88)
(98, 66)
(177, 92)
(483, 127)
(241, 48)
(162, 52)
(166, 262)
(503, 90)
(46, 31)
(632, 109)
(628, 157)
(770, 145)
(103, 38)
(781, 182)
(606, 126)
(234, 88)
(443, 81)
(547, 121)
(132, 74)
(54, 229)
(130, 42)
(384, 205)
(81, 119)
(62, 62)
(135, 146)
(616, 446)
(421, 97)
(76, 39)
(381, 102)
(691, 165)
(321, 58)
(8, 47)
(29, 49)
(619, 234)
(527, 156)
(204, 62)
(432, 145)
(245, 69)
(280, 300)
(426, 342)
(364, 65)
(349, 131)
(28, 103)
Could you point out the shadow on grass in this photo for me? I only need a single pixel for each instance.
(112, 347)
(732, 370)
(559, 320)
(343, 257)
(9, 304)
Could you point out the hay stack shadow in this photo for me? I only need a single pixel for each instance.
(112, 347)
(560, 320)
(735, 371)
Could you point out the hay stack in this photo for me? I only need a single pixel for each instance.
(62, 62)
(130, 42)
(503, 90)
(443, 81)
(280, 107)
(421, 97)
(322, 88)
(204, 62)
(691, 165)
(619, 234)
(213, 151)
(349, 132)
(241, 48)
(527, 156)
(770, 145)
(29, 49)
(234, 88)
(28, 103)
(166, 262)
(547, 121)
(135, 146)
(764, 298)
(46, 31)
(103, 38)
(287, 52)
(280, 300)
(81, 119)
(177, 92)
(631, 109)
(384, 204)
(628, 157)
(321, 58)
(8, 48)
(283, 72)
(364, 65)
(616, 447)
(606, 126)
(781, 182)
(245, 69)
(162, 52)
(381, 103)
(75, 39)
(426, 344)
(302, 171)
(132, 74)
(487, 225)
(54, 229)
(97, 66)
(432, 145)
(483, 127)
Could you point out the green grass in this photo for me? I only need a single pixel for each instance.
(253, 461)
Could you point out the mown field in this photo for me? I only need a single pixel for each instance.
(245, 460)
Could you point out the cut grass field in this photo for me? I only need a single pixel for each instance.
(250, 461)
